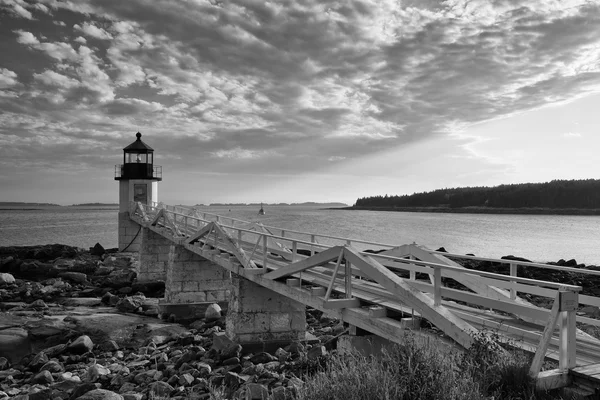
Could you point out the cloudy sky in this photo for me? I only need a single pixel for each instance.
(302, 100)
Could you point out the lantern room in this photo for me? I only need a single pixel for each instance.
(138, 162)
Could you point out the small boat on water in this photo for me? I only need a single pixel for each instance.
(262, 210)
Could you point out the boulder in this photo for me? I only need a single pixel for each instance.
(130, 304)
(100, 394)
(77, 277)
(212, 313)
(160, 389)
(97, 250)
(43, 377)
(14, 344)
(81, 345)
(6, 278)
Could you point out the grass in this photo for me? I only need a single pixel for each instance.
(415, 372)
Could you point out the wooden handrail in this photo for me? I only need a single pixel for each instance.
(399, 260)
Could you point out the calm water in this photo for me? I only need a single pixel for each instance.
(536, 237)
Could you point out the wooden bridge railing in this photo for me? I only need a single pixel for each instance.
(272, 251)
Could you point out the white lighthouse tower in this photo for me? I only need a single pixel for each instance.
(138, 181)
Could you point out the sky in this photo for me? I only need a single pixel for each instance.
(293, 101)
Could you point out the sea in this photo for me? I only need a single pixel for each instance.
(540, 238)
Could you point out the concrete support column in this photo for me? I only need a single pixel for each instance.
(192, 283)
(192, 279)
(259, 316)
(129, 233)
(154, 256)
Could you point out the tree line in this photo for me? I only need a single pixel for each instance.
(583, 194)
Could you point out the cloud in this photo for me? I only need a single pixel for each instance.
(93, 31)
(239, 153)
(572, 135)
(8, 78)
(52, 78)
(309, 82)
(18, 8)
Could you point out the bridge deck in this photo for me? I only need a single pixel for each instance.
(373, 291)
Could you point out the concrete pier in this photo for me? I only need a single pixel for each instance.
(258, 316)
(154, 256)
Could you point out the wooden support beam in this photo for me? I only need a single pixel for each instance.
(440, 316)
(340, 303)
(542, 347)
(316, 260)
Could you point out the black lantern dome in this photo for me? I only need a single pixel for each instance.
(138, 162)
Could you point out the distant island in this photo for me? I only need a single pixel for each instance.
(96, 205)
(24, 204)
(306, 204)
(568, 197)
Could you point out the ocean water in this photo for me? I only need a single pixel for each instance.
(536, 237)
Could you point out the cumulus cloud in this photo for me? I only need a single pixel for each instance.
(18, 7)
(324, 81)
(93, 31)
(8, 78)
(52, 78)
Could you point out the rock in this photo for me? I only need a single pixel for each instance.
(77, 277)
(132, 396)
(234, 350)
(14, 344)
(109, 345)
(52, 366)
(282, 393)
(4, 364)
(55, 350)
(160, 388)
(316, 351)
(81, 345)
(513, 258)
(37, 305)
(442, 250)
(110, 299)
(281, 355)
(6, 278)
(97, 250)
(44, 377)
(129, 304)
(256, 391)
(94, 372)
(100, 394)
(221, 341)
(212, 313)
(262, 358)
(38, 361)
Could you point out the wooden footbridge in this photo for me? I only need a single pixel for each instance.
(374, 290)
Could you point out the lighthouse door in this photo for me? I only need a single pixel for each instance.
(140, 193)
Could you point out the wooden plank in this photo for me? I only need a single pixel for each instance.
(236, 250)
(453, 326)
(530, 313)
(540, 354)
(552, 379)
(318, 259)
(340, 303)
(586, 370)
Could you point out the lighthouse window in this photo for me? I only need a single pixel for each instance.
(138, 158)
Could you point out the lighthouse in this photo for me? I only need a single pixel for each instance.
(138, 181)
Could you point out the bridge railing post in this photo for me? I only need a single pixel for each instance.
(513, 272)
(568, 340)
(437, 286)
(564, 310)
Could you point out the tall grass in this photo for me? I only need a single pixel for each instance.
(412, 371)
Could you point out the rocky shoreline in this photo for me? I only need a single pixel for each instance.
(75, 324)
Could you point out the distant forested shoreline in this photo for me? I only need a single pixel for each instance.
(569, 197)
